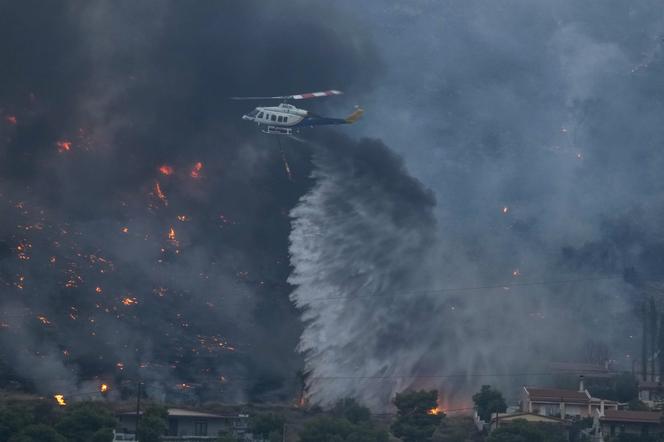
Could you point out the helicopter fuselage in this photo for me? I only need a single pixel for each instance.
(285, 118)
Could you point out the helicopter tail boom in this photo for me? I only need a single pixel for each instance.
(356, 115)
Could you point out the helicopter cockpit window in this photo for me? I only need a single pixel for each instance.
(253, 113)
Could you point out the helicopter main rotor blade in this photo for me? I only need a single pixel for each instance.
(315, 95)
(294, 97)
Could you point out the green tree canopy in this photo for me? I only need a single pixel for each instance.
(488, 401)
(39, 433)
(522, 431)
(331, 429)
(153, 424)
(415, 421)
(83, 420)
(350, 409)
(267, 426)
(13, 419)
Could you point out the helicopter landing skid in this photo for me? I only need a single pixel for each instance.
(275, 130)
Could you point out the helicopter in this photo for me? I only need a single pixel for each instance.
(286, 119)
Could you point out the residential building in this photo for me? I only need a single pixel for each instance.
(563, 403)
(184, 425)
(651, 391)
(643, 423)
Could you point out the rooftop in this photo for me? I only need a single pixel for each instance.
(653, 417)
(181, 412)
(557, 395)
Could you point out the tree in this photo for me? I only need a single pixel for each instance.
(637, 405)
(522, 431)
(13, 419)
(489, 401)
(83, 420)
(39, 433)
(153, 424)
(330, 429)
(267, 426)
(416, 422)
(350, 409)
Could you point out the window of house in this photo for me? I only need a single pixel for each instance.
(273, 117)
(200, 428)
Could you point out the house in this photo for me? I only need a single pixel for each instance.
(563, 403)
(184, 425)
(651, 391)
(643, 423)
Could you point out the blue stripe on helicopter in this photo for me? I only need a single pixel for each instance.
(319, 121)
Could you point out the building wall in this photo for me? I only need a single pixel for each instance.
(187, 426)
(628, 428)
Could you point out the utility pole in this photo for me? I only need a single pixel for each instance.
(138, 406)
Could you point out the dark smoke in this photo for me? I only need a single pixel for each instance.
(125, 88)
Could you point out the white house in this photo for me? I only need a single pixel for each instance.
(563, 403)
(184, 425)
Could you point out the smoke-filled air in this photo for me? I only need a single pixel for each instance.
(497, 209)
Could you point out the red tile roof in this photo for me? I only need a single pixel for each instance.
(653, 417)
(557, 395)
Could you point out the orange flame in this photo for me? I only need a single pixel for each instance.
(103, 388)
(171, 234)
(129, 301)
(159, 194)
(196, 171)
(435, 411)
(63, 146)
(166, 170)
(60, 399)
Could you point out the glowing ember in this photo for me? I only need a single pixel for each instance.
(125, 229)
(11, 119)
(60, 399)
(120, 366)
(435, 411)
(196, 171)
(183, 218)
(103, 388)
(44, 320)
(159, 194)
(505, 210)
(171, 234)
(516, 272)
(129, 301)
(166, 170)
(98, 289)
(63, 146)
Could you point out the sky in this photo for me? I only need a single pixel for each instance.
(509, 150)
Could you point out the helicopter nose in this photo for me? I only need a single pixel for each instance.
(246, 117)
